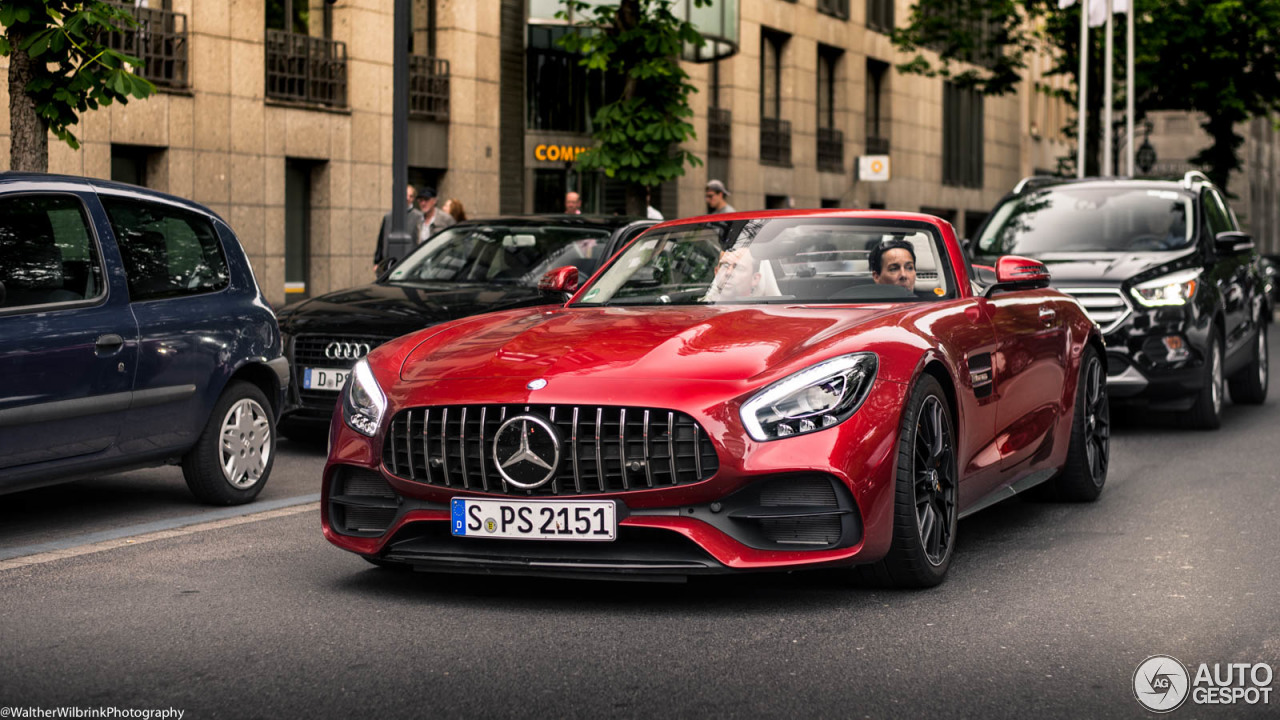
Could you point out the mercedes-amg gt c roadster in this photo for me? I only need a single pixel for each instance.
(755, 391)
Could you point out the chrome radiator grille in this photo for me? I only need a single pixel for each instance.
(605, 449)
(1105, 306)
(309, 350)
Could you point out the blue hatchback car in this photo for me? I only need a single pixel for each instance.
(132, 334)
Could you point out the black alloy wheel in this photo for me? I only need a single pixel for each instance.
(925, 515)
(935, 482)
(1089, 454)
(1249, 385)
(1206, 413)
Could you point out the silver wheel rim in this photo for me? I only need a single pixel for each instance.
(244, 446)
(1216, 379)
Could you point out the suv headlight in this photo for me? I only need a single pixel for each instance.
(363, 403)
(813, 399)
(1172, 289)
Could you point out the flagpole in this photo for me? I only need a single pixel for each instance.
(1108, 97)
(1130, 89)
(1082, 112)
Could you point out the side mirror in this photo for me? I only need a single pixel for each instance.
(1232, 242)
(385, 266)
(644, 276)
(1019, 273)
(562, 279)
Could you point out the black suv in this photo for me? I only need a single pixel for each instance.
(470, 268)
(1164, 270)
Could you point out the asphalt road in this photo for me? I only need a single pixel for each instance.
(1048, 610)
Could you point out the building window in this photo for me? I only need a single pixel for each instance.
(719, 130)
(303, 64)
(561, 94)
(877, 107)
(775, 133)
(962, 136)
(830, 202)
(830, 138)
(834, 8)
(160, 41)
(777, 202)
(140, 165)
(880, 15)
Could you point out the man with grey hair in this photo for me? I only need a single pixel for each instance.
(716, 202)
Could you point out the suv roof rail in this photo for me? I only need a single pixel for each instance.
(1194, 176)
(1033, 181)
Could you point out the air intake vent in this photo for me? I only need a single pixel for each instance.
(361, 502)
(604, 449)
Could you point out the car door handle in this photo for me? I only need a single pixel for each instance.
(1047, 316)
(107, 344)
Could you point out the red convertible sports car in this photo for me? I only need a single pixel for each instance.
(755, 391)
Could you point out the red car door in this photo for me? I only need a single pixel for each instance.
(1029, 367)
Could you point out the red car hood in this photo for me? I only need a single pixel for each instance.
(699, 342)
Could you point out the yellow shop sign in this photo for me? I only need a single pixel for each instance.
(557, 153)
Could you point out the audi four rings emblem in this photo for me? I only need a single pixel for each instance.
(346, 350)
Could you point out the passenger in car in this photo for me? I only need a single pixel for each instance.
(893, 262)
(736, 275)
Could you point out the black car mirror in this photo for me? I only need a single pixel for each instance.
(385, 266)
(644, 276)
(1232, 242)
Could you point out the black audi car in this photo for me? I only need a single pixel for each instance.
(1164, 269)
(471, 268)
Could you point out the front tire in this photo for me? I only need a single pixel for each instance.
(232, 460)
(1249, 386)
(1089, 454)
(1206, 413)
(926, 491)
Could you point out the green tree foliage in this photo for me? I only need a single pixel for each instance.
(61, 66)
(1217, 57)
(638, 134)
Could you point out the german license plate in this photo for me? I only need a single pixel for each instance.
(324, 378)
(591, 520)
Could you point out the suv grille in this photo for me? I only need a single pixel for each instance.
(607, 449)
(1105, 306)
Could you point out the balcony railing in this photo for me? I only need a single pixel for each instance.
(306, 69)
(877, 145)
(775, 141)
(428, 88)
(719, 132)
(834, 8)
(830, 150)
(160, 41)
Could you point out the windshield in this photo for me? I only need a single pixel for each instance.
(502, 254)
(788, 260)
(1072, 219)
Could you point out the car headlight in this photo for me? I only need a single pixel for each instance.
(363, 403)
(815, 398)
(1173, 289)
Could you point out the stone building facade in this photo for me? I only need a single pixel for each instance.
(281, 121)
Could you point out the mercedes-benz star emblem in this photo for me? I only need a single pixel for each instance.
(339, 350)
(526, 449)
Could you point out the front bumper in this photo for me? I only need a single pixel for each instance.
(822, 499)
(1142, 368)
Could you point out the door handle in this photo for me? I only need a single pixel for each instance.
(1047, 316)
(107, 344)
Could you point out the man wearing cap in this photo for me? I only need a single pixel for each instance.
(716, 202)
(433, 221)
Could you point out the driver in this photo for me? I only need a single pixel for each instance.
(736, 275)
(893, 262)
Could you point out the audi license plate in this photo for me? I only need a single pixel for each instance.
(535, 519)
(324, 378)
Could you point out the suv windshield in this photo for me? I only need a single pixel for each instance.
(818, 260)
(502, 254)
(1089, 219)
